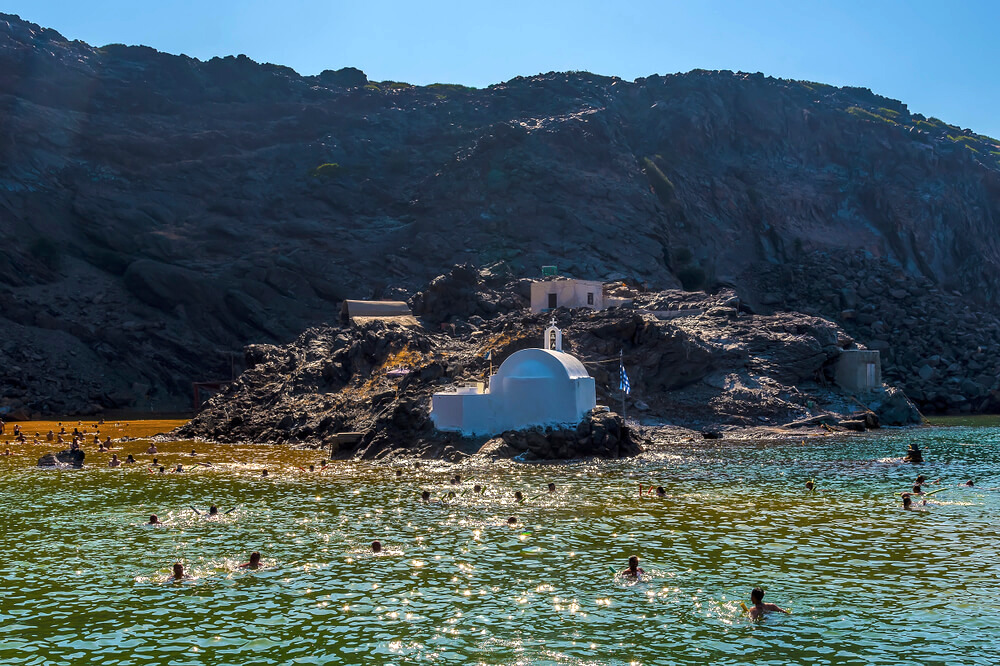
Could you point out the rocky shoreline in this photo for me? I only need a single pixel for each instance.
(712, 365)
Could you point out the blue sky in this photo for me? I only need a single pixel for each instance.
(940, 62)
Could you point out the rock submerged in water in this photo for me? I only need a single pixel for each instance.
(65, 457)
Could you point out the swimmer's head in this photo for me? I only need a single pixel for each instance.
(163, 470)
(178, 570)
(633, 563)
(906, 501)
(264, 473)
(518, 496)
(254, 558)
(552, 487)
(512, 520)
(809, 485)
(477, 488)
(376, 546)
(312, 468)
(970, 483)
(399, 472)
(756, 595)
(425, 496)
(156, 462)
(660, 491)
(193, 452)
(153, 519)
(920, 479)
(213, 510)
(916, 488)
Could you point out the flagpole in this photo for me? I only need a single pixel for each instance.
(621, 365)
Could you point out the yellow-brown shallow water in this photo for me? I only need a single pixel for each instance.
(85, 582)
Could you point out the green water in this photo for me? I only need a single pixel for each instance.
(84, 582)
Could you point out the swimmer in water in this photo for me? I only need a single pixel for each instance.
(425, 496)
(263, 474)
(512, 521)
(153, 520)
(213, 511)
(193, 452)
(254, 562)
(114, 461)
(969, 484)
(519, 496)
(179, 572)
(552, 487)
(151, 451)
(180, 468)
(399, 472)
(130, 460)
(917, 491)
(660, 492)
(633, 568)
(376, 546)
(759, 607)
(163, 470)
(908, 503)
(477, 489)
(810, 485)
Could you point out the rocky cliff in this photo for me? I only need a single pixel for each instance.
(161, 212)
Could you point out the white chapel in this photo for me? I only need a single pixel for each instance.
(531, 387)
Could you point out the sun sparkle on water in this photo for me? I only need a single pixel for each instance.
(454, 582)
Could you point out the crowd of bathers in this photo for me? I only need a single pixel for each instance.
(77, 438)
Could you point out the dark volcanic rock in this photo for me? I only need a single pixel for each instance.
(65, 457)
(601, 434)
(893, 409)
(162, 212)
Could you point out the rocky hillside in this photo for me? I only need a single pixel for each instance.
(712, 366)
(160, 212)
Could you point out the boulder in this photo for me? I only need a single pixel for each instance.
(893, 408)
(601, 434)
(66, 457)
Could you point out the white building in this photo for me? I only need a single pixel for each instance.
(531, 387)
(566, 293)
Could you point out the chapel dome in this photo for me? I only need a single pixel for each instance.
(541, 363)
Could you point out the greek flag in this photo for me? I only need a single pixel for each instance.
(625, 386)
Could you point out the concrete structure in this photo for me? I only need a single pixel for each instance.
(566, 293)
(359, 312)
(531, 387)
(859, 370)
